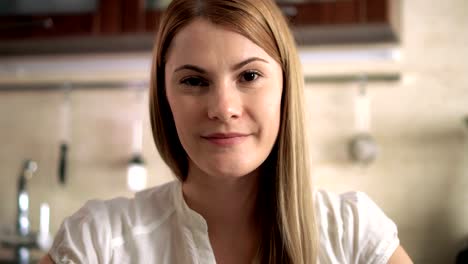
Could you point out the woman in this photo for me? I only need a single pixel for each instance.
(227, 118)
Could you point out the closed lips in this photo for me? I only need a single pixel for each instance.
(224, 136)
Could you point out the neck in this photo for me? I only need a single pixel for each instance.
(222, 201)
(228, 206)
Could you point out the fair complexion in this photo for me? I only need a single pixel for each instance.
(400, 257)
(225, 96)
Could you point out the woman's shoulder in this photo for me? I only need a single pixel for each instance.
(344, 205)
(353, 228)
(147, 205)
(101, 225)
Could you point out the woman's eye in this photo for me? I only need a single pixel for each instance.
(249, 76)
(194, 81)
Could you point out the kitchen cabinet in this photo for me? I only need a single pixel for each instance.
(133, 22)
(344, 12)
(33, 19)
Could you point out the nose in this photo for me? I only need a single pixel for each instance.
(225, 103)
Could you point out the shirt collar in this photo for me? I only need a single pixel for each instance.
(188, 216)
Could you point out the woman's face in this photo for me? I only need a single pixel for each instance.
(225, 96)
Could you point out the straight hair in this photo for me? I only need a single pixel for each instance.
(285, 203)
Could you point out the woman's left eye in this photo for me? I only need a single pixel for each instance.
(249, 76)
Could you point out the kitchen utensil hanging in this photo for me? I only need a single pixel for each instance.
(64, 134)
(362, 148)
(136, 171)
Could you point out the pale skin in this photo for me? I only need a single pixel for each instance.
(234, 86)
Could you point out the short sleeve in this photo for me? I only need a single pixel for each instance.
(355, 230)
(82, 237)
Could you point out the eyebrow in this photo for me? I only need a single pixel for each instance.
(190, 67)
(234, 68)
(247, 61)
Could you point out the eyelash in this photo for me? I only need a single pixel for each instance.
(186, 81)
(256, 73)
(202, 82)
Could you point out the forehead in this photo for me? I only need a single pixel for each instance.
(202, 41)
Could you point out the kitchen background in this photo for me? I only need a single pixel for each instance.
(416, 88)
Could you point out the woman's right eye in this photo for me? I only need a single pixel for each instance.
(194, 81)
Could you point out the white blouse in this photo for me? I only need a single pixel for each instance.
(157, 226)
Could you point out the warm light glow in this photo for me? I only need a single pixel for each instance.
(44, 220)
(136, 177)
(44, 239)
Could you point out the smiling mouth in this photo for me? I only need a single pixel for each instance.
(226, 139)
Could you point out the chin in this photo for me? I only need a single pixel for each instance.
(230, 170)
(228, 164)
(232, 173)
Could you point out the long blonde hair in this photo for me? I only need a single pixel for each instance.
(285, 204)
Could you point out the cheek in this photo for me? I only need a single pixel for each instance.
(272, 104)
(268, 112)
(272, 117)
(186, 115)
(176, 109)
